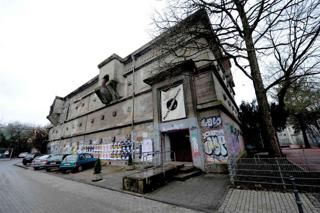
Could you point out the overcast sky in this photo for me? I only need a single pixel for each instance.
(49, 48)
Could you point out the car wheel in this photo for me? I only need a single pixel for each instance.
(48, 170)
(80, 169)
(24, 163)
(35, 168)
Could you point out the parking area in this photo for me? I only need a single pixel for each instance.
(29, 191)
(202, 193)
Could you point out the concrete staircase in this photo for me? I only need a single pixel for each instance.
(155, 177)
(186, 172)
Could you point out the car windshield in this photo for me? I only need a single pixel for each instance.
(71, 158)
(56, 157)
(43, 157)
(30, 155)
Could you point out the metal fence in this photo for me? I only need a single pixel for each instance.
(275, 173)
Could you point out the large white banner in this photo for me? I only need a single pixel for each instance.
(172, 104)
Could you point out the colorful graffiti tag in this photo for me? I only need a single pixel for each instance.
(194, 144)
(211, 122)
(119, 150)
(215, 145)
(233, 139)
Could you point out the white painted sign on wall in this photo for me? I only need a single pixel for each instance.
(172, 104)
(147, 148)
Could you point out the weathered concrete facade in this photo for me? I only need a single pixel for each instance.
(185, 112)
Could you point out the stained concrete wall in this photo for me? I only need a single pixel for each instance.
(85, 119)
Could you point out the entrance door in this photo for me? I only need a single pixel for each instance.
(180, 145)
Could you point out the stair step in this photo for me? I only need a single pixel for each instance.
(178, 165)
(185, 176)
(186, 169)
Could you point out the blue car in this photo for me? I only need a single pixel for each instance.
(78, 162)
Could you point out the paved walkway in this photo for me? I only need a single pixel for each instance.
(27, 191)
(203, 193)
(264, 201)
(207, 193)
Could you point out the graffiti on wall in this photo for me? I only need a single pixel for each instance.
(215, 146)
(233, 139)
(119, 150)
(54, 148)
(194, 144)
(211, 122)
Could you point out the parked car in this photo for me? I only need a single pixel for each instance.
(54, 161)
(77, 162)
(22, 154)
(29, 158)
(40, 162)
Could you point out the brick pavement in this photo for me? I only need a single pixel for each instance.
(248, 201)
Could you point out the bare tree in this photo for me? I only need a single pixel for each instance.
(241, 31)
(295, 47)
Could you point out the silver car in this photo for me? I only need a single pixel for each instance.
(40, 162)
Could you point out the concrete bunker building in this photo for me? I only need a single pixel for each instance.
(155, 106)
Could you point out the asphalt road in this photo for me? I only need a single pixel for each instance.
(27, 191)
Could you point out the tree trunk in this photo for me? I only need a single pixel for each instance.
(268, 132)
(304, 132)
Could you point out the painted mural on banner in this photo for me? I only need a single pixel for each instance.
(215, 145)
(113, 151)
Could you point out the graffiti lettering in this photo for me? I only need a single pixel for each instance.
(215, 146)
(211, 122)
(194, 145)
(233, 140)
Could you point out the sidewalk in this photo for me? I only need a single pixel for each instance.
(203, 193)
(207, 193)
(265, 201)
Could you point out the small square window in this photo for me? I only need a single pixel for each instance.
(114, 113)
(224, 97)
(92, 121)
(102, 117)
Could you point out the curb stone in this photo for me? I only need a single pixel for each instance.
(21, 166)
